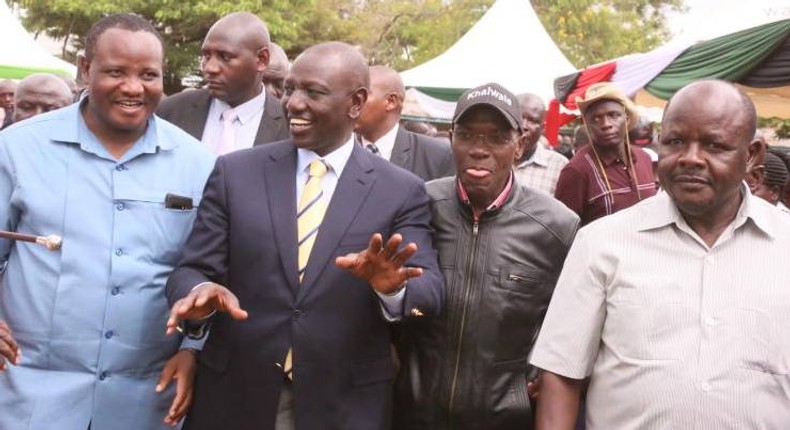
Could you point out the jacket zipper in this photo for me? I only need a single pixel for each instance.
(467, 292)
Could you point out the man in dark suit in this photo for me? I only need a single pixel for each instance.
(380, 133)
(234, 111)
(310, 350)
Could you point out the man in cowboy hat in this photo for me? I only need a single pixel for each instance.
(609, 174)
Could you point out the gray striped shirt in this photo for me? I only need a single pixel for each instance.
(676, 335)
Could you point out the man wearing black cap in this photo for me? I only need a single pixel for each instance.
(609, 174)
(501, 246)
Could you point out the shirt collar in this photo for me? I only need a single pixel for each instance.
(539, 157)
(386, 143)
(74, 125)
(336, 160)
(496, 204)
(661, 211)
(246, 111)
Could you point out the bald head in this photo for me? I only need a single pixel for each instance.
(7, 88)
(724, 99)
(385, 103)
(234, 55)
(533, 113)
(706, 144)
(39, 93)
(324, 94)
(243, 27)
(274, 75)
(341, 57)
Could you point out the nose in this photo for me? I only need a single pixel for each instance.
(132, 85)
(209, 65)
(692, 155)
(293, 102)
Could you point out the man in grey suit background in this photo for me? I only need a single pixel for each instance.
(234, 111)
(380, 133)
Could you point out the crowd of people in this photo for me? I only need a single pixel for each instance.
(276, 250)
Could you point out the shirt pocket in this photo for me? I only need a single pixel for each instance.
(160, 230)
(652, 321)
(762, 341)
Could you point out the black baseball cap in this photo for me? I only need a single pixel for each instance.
(493, 95)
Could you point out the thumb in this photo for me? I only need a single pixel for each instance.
(168, 373)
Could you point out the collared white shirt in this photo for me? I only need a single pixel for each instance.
(386, 143)
(542, 170)
(336, 162)
(249, 121)
(675, 334)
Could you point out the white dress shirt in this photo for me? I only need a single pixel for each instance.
(336, 162)
(386, 143)
(247, 124)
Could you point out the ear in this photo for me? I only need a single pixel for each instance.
(84, 68)
(393, 102)
(521, 146)
(756, 154)
(263, 59)
(358, 99)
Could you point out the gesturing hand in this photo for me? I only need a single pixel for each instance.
(201, 302)
(180, 367)
(382, 265)
(9, 349)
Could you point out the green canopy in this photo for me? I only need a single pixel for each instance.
(733, 58)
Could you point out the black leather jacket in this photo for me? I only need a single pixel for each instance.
(467, 369)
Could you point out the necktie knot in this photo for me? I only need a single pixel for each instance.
(317, 169)
(230, 116)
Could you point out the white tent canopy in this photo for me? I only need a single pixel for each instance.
(508, 45)
(21, 55)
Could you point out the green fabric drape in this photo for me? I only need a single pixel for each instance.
(728, 57)
(446, 94)
(20, 72)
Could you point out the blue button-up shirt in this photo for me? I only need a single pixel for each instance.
(90, 318)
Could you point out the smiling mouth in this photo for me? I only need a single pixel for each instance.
(130, 104)
(298, 123)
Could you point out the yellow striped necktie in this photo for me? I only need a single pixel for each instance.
(310, 213)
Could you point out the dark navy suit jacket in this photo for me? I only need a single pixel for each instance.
(244, 237)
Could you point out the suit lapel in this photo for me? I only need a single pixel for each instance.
(353, 188)
(272, 114)
(281, 186)
(198, 114)
(402, 151)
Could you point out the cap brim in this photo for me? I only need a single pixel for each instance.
(513, 123)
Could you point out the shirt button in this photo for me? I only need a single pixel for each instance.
(710, 260)
(102, 376)
(115, 291)
(120, 167)
(710, 321)
(705, 386)
(120, 206)
(109, 334)
(119, 252)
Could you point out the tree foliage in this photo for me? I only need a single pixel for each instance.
(398, 33)
(593, 31)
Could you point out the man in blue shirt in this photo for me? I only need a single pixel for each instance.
(84, 326)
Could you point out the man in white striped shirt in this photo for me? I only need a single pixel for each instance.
(677, 309)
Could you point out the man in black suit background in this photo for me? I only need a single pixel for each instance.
(380, 133)
(310, 348)
(233, 111)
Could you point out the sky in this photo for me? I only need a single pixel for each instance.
(707, 19)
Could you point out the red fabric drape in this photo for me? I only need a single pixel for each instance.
(555, 120)
(587, 77)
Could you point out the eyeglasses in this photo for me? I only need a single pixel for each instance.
(489, 139)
